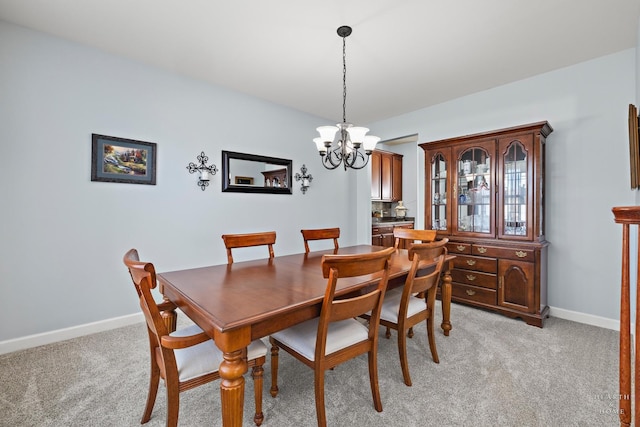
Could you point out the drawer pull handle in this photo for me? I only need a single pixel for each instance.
(482, 249)
(471, 277)
(471, 261)
(521, 254)
(460, 248)
(470, 292)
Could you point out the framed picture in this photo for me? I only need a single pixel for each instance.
(244, 180)
(634, 153)
(122, 160)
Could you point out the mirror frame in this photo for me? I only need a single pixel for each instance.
(228, 187)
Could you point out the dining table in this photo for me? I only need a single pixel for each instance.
(243, 301)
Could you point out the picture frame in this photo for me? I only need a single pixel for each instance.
(244, 180)
(122, 160)
(634, 149)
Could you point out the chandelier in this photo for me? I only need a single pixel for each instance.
(351, 139)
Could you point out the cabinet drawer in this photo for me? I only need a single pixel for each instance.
(488, 265)
(474, 278)
(382, 229)
(473, 293)
(498, 252)
(459, 248)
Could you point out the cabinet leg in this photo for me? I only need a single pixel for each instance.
(446, 300)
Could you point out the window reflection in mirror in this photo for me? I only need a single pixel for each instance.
(250, 173)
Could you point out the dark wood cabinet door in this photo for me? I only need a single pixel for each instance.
(386, 176)
(376, 177)
(388, 240)
(516, 285)
(396, 178)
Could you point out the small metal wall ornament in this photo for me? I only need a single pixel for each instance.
(304, 177)
(204, 170)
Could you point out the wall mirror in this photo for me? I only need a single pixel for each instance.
(250, 173)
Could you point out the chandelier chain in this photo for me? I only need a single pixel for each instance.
(344, 79)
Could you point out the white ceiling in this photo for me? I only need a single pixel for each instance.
(403, 54)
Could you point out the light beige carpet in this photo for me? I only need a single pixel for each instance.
(493, 371)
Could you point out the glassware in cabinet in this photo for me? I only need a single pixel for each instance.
(437, 214)
(474, 183)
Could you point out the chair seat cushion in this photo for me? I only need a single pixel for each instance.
(391, 306)
(302, 337)
(206, 357)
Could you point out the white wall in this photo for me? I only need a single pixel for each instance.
(62, 237)
(587, 166)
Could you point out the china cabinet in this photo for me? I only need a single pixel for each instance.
(386, 176)
(275, 178)
(485, 192)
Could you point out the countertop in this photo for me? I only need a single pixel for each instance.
(391, 220)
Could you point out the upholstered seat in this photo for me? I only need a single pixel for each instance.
(205, 358)
(302, 337)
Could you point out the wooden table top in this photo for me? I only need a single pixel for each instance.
(224, 297)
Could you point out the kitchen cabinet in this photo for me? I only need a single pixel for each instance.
(386, 176)
(485, 192)
(382, 233)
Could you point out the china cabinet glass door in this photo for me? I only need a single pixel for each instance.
(439, 192)
(474, 192)
(516, 171)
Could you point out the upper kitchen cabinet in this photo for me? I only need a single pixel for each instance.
(386, 176)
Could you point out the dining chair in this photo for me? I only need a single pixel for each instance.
(320, 234)
(232, 241)
(337, 336)
(186, 358)
(405, 307)
(412, 235)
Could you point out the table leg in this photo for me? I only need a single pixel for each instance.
(232, 369)
(170, 318)
(446, 300)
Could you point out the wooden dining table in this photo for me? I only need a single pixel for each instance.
(240, 302)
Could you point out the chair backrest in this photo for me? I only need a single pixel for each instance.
(137, 269)
(320, 234)
(427, 261)
(250, 239)
(336, 267)
(413, 235)
(143, 275)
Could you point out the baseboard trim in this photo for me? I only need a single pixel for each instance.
(36, 340)
(588, 319)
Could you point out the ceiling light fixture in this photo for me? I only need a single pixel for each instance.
(351, 139)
